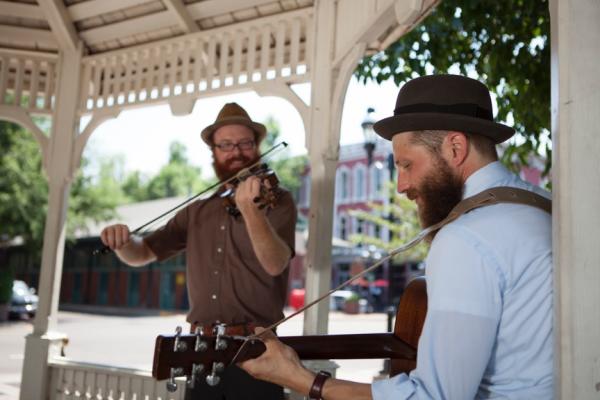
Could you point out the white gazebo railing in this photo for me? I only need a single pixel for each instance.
(78, 380)
(212, 61)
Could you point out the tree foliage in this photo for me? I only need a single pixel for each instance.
(94, 198)
(288, 169)
(400, 218)
(24, 192)
(23, 187)
(505, 44)
(177, 178)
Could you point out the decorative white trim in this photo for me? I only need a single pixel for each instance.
(208, 62)
(60, 23)
(20, 116)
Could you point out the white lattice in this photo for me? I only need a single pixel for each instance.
(27, 80)
(215, 60)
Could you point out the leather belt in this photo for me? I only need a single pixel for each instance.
(246, 329)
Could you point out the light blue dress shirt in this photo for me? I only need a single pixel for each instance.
(488, 331)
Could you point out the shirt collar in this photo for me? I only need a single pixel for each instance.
(485, 178)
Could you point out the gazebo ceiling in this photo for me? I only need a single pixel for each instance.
(105, 25)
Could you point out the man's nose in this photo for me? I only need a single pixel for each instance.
(402, 185)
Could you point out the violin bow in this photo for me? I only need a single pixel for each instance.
(105, 249)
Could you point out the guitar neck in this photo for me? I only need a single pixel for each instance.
(359, 346)
(317, 347)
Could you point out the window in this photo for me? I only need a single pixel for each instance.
(342, 185)
(343, 228)
(359, 183)
(345, 185)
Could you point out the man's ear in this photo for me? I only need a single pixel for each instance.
(456, 148)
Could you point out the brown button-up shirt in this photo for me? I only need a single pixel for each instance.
(225, 280)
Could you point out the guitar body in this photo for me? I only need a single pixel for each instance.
(410, 318)
(178, 355)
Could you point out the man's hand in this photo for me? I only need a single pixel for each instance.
(129, 248)
(279, 364)
(246, 192)
(115, 236)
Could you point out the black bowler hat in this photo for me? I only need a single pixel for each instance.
(444, 102)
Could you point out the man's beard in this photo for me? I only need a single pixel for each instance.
(438, 193)
(224, 170)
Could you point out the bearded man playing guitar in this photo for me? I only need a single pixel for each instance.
(488, 330)
(236, 262)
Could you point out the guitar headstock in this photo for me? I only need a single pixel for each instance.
(199, 356)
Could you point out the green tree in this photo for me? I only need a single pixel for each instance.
(24, 192)
(402, 220)
(134, 186)
(288, 169)
(177, 178)
(504, 43)
(23, 187)
(95, 198)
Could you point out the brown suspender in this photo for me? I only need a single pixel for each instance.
(501, 194)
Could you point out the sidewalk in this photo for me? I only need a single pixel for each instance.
(10, 386)
(121, 339)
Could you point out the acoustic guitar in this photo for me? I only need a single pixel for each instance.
(200, 356)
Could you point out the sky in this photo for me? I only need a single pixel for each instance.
(142, 135)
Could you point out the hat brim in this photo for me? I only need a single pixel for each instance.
(388, 127)
(258, 128)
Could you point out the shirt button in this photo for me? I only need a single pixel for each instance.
(219, 250)
(222, 227)
(216, 272)
(214, 296)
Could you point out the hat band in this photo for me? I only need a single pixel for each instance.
(466, 109)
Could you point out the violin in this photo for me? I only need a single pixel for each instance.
(269, 188)
(269, 194)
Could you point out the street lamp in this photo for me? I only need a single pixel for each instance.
(369, 134)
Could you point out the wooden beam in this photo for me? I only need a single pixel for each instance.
(180, 12)
(128, 27)
(21, 10)
(60, 23)
(93, 8)
(211, 8)
(30, 36)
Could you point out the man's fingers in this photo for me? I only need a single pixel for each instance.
(115, 236)
(264, 333)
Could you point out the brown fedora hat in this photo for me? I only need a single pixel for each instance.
(233, 114)
(444, 102)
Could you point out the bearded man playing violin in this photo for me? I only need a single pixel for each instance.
(236, 265)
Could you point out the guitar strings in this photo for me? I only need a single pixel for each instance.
(416, 240)
(485, 198)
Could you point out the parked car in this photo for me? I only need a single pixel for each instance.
(24, 300)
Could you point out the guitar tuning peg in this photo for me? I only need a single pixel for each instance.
(213, 379)
(196, 371)
(201, 345)
(220, 343)
(179, 345)
(171, 384)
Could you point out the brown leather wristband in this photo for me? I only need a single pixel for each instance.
(316, 389)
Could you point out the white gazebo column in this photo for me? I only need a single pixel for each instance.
(576, 178)
(328, 89)
(42, 343)
(323, 148)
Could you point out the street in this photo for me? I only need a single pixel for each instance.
(128, 341)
